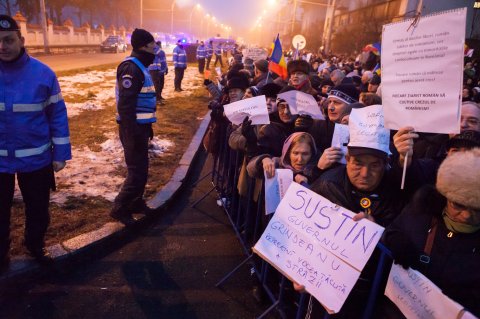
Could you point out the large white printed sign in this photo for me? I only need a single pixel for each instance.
(276, 187)
(317, 244)
(422, 71)
(255, 108)
(302, 103)
(417, 297)
(254, 54)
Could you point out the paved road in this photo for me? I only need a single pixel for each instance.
(166, 271)
(65, 62)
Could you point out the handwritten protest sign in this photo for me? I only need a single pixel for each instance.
(254, 54)
(302, 103)
(367, 129)
(275, 188)
(417, 297)
(341, 136)
(317, 244)
(255, 108)
(422, 72)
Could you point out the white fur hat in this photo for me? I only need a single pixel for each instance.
(458, 178)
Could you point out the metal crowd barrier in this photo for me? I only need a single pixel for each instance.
(248, 220)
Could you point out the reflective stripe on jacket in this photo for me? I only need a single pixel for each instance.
(33, 117)
(201, 52)
(146, 99)
(179, 58)
(209, 51)
(160, 62)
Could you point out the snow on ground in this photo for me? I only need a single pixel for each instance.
(102, 90)
(93, 173)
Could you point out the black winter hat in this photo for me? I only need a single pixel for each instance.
(298, 66)
(270, 90)
(141, 38)
(326, 82)
(347, 93)
(238, 82)
(7, 23)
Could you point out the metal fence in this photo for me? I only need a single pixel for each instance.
(246, 213)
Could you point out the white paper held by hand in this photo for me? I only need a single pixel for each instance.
(255, 108)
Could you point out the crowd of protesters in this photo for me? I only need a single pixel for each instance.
(433, 225)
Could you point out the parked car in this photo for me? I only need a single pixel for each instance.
(113, 43)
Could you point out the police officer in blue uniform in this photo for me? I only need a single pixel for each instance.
(136, 106)
(201, 55)
(158, 69)
(209, 53)
(179, 58)
(34, 139)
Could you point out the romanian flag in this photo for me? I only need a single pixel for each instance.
(375, 48)
(277, 62)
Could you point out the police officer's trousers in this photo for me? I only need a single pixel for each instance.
(135, 149)
(35, 189)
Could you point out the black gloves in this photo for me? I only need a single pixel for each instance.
(217, 110)
(248, 132)
(303, 123)
(206, 82)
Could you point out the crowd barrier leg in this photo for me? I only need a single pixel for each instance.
(373, 295)
(277, 302)
(213, 174)
(227, 276)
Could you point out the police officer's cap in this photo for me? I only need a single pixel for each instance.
(7, 23)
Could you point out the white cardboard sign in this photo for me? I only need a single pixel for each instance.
(422, 72)
(341, 137)
(417, 297)
(255, 108)
(276, 187)
(302, 103)
(317, 244)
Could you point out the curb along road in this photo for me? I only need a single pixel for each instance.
(87, 244)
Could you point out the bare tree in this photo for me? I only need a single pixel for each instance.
(29, 8)
(7, 7)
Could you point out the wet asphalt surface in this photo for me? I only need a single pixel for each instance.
(166, 270)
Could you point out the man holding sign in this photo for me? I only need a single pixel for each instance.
(364, 185)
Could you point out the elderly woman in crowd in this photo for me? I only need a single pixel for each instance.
(438, 233)
(298, 154)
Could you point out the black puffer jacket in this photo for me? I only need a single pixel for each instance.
(387, 200)
(454, 261)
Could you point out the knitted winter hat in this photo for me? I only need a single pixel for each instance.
(346, 93)
(7, 23)
(298, 66)
(458, 178)
(141, 38)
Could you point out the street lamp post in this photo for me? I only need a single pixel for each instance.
(197, 6)
(171, 21)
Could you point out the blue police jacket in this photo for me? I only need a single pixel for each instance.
(160, 62)
(218, 50)
(209, 51)
(201, 52)
(33, 117)
(179, 58)
(146, 99)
